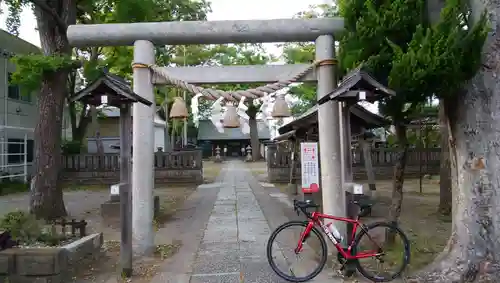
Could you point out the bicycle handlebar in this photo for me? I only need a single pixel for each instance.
(303, 206)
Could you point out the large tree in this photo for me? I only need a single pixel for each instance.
(51, 70)
(439, 60)
(472, 253)
(51, 73)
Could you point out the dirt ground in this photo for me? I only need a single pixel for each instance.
(427, 231)
(83, 202)
(172, 198)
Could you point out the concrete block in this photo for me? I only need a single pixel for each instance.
(45, 265)
(40, 261)
(6, 261)
(83, 247)
(57, 278)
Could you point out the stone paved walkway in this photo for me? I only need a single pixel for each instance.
(232, 248)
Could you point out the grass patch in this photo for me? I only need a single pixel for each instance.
(8, 187)
(427, 230)
(211, 170)
(94, 188)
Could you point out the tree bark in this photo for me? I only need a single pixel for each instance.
(473, 251)
(79, 125)
(398, 177)
(445, 192)
(254, 138)
(97, 132)
(46, 197)
(254, 131)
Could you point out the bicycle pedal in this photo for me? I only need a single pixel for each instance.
(339, 273)
(348, 273)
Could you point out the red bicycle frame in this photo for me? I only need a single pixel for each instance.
(315, 219)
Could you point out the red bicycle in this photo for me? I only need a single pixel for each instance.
(363, 245)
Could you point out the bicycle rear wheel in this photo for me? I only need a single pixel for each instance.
(392, 246)
(281, 253)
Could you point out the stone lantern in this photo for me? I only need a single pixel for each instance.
(249, 154)
(218, 159)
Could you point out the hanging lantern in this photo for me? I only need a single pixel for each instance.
(179, 109)
(280, 107)
(231, 119)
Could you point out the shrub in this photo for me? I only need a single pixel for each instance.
(22, 226)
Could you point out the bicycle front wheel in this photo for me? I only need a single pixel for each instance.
(391, 247)
(282, 257)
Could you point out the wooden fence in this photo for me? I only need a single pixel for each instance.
(419, 162)
(170, 167)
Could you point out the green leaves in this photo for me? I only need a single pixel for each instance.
(294, 53)
(401, 49)
(443, 57)
(13, 21)
(31, 69)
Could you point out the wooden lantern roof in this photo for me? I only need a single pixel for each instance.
(358, 85)
(117, 90)
(360, 119)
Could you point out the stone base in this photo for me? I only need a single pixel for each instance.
(46, 264)
(111, 209)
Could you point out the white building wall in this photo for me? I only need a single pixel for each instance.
(17, 116)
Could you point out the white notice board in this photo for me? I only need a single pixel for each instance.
(309, 167)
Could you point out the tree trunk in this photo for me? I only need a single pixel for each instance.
(398, 177)
(473, 251)
(254, 130)
(79, 125)
(97, 132)
(445, 195)
(254, 138)
(474, 247)
(46, 197)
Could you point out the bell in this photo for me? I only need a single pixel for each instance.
(280, 107)
(179, 109)
(231, 119)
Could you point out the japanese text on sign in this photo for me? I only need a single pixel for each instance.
(309, 168)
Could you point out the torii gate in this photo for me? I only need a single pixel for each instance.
(143, 36)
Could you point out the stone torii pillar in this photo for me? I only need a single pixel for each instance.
(329, 134)
(143, 159)
(144, 35)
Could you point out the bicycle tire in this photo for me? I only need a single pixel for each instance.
(406, 256)
(275, 268)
